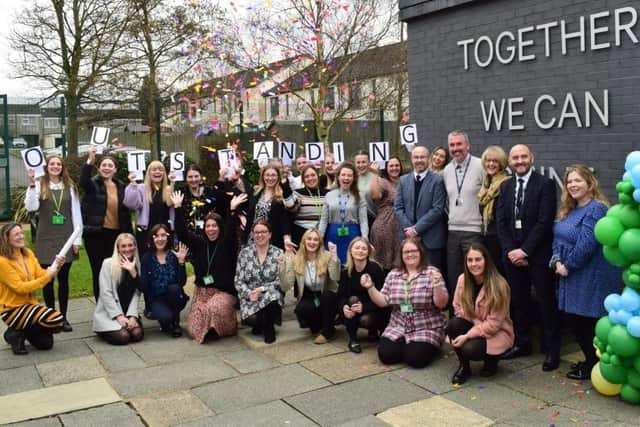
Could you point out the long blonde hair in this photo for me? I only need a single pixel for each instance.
(277, 191)
(322, 256)
(370, 252)
(116, 270)
(164, 184)
(6, 250)
(45, 192)
(496, 290)
(568, 203)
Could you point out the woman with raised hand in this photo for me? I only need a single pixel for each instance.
(214, 257)
(20, 276)
(55, 198)
(259, 274)
(417, 294)
(482, 328)
(306, 203)
(201, 199)
(104, 214)
(586, 278)
(267, 205)
(163, 277)
(344, 213)
(357, 308)
(116, 319)
(314, 272)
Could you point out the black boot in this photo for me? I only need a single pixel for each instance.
(490, 366)
(16, 340)
(461, 375)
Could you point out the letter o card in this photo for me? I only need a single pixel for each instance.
(34, 158)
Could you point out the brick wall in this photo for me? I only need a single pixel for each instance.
(444, 96)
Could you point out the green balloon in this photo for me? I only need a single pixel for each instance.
(613, 374)
(614, 256)
(633, 377)
(608, 230)
(629, 216)
(635, 268)
(629, 244)
(625, 187)
(603, 327)
(630, 394)
(631, 279)
(622, 343)
(614, 211)
(636, 363)
(625, 199)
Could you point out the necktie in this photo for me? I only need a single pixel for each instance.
(519, 196)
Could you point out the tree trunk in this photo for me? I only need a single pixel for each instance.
(71, 131)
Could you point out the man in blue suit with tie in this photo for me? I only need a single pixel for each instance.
(419, 206)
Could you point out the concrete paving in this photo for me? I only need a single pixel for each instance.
(240, 381)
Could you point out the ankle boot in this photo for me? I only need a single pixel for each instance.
(461, 375)
(490, 366)
(16, 340)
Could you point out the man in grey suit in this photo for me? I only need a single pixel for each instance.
(419, 206)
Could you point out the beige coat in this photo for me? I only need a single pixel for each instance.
(329, 282)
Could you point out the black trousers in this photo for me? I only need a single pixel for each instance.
(457, 244)
(63, 289)
(39, 337)
(583, 328)
(472, 349)
(320, 318)
(541, 279)
(99, 246)
(415, 354)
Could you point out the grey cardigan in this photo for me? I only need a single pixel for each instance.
(108, 307)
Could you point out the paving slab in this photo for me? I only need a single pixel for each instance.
(83, 315)
(79, 304)
(60, 351)
(70, 370)
(49, 401)
(175, 376)
(20, 379)
(356, 399)
(80, 330)
(435, 378)
(610, 408)
(433, 412)
(157, 348)
(557, 416)
(117, 414)
(289, 332)
(246, 361)
(275, 413)
(348, 366)
(260, 387)
(42, 422)
(294, 352)
(120, 358)
(170, 408)
(368, 421)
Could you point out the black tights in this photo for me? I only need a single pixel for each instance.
(472, 349)
(123, 336)
(39, 337)
(63, 289)
(415, 354)
(583, 328)
(318, 318)
(99, 246)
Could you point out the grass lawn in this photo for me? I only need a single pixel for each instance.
(80, 281)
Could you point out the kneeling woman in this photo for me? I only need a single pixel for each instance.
(357, 308)
(116, 319)
(259, 272)
(314, 272)
(482, 328)
(417, 294)
(214, 253)
(21, 275)
(163, 277)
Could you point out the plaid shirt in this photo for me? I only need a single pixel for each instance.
(426, 323)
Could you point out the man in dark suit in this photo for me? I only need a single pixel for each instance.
(419, 206)
(525, 216)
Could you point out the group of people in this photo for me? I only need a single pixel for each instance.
(374, 249)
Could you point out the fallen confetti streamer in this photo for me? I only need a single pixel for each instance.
(474, 397)
(554, 414)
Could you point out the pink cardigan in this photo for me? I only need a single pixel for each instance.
(495, 326)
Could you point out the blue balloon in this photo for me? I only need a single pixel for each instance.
(635, 176)
(626, 176)
(630, 300)
(613, 316)
(636, 195)
(633, 326)
(633, 158)
(623, 316)
(612, 302)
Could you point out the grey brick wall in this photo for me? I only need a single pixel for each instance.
(445, 96)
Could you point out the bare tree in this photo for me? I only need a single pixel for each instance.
(71, 48)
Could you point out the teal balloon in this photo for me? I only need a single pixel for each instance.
(613, 374)
(629, 215)
(614, 256)
(630, 394)
(622, 343)
(608, 230)
(629, 244)
(603, 327)
(633, 378)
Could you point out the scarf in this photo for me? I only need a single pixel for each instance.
(488, 193)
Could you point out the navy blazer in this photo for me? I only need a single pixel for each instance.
(429, 218)
(538, 215)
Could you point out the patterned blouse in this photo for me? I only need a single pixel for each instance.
(163, 274)
(426, 322)
(250, 274)
(263, 207)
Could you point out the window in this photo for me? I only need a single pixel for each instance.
(274, 107)
(355, 96)
(28, 120)
(51, 123)
(330, 98)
